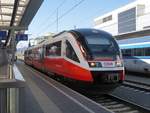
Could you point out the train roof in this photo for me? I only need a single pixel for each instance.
(36, 46)
(82, 31)
(85, 32)
(89, 31)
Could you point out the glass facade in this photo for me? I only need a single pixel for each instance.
(127, 21)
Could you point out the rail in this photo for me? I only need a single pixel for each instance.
(137, 85)
(12, 92)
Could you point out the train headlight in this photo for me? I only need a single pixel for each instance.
(118, 62)
(94, 64)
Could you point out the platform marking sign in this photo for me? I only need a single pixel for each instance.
(3, 35)
(21, 37)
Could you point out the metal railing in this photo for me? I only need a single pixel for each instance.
(12, 94)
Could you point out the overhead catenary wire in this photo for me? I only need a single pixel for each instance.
(49, 17)
(63, 15)
(72, 8)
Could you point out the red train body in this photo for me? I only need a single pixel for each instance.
(87, 55)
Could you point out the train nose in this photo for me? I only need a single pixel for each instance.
(106, 77)
(112, 77)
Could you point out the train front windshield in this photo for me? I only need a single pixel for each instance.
(101, 46)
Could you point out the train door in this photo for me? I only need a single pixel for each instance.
(41, 57)
(53, 58)
(138, 62)
(37, 59)
(58, 60)
(30, 57)
(128, 59)
(71, 60)
(41, 54)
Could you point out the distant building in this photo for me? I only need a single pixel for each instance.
(131, 17)
(40, 39)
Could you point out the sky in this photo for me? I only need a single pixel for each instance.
(70, 15)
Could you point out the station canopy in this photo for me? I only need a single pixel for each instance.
(6, 11)
(17, 13)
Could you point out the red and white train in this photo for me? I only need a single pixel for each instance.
(86, 55)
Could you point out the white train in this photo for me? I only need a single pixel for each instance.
(136, 56)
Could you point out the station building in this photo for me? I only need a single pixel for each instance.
(132, 17)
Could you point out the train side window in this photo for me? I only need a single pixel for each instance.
(47, 53)
(147, 51)
(132, 52)
(70, 53)
(123, 52)
(138, 52)
(53, 49)
(127, 52)
(38, 53)
(29, 53)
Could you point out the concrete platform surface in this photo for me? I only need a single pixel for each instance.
(44, 95)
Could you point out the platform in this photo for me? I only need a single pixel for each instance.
(11, 85)
(45, 95)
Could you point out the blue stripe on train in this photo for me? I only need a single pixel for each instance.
(134, 46)
(136, 57)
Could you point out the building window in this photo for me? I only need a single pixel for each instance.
(103, 20)
(140, 10)
(98, 22)
(53, 49)
(108, 18)
(70, 53)
(127, 21)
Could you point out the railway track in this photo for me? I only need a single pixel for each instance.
(137, 85)
(117, 105)
(112, 102)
